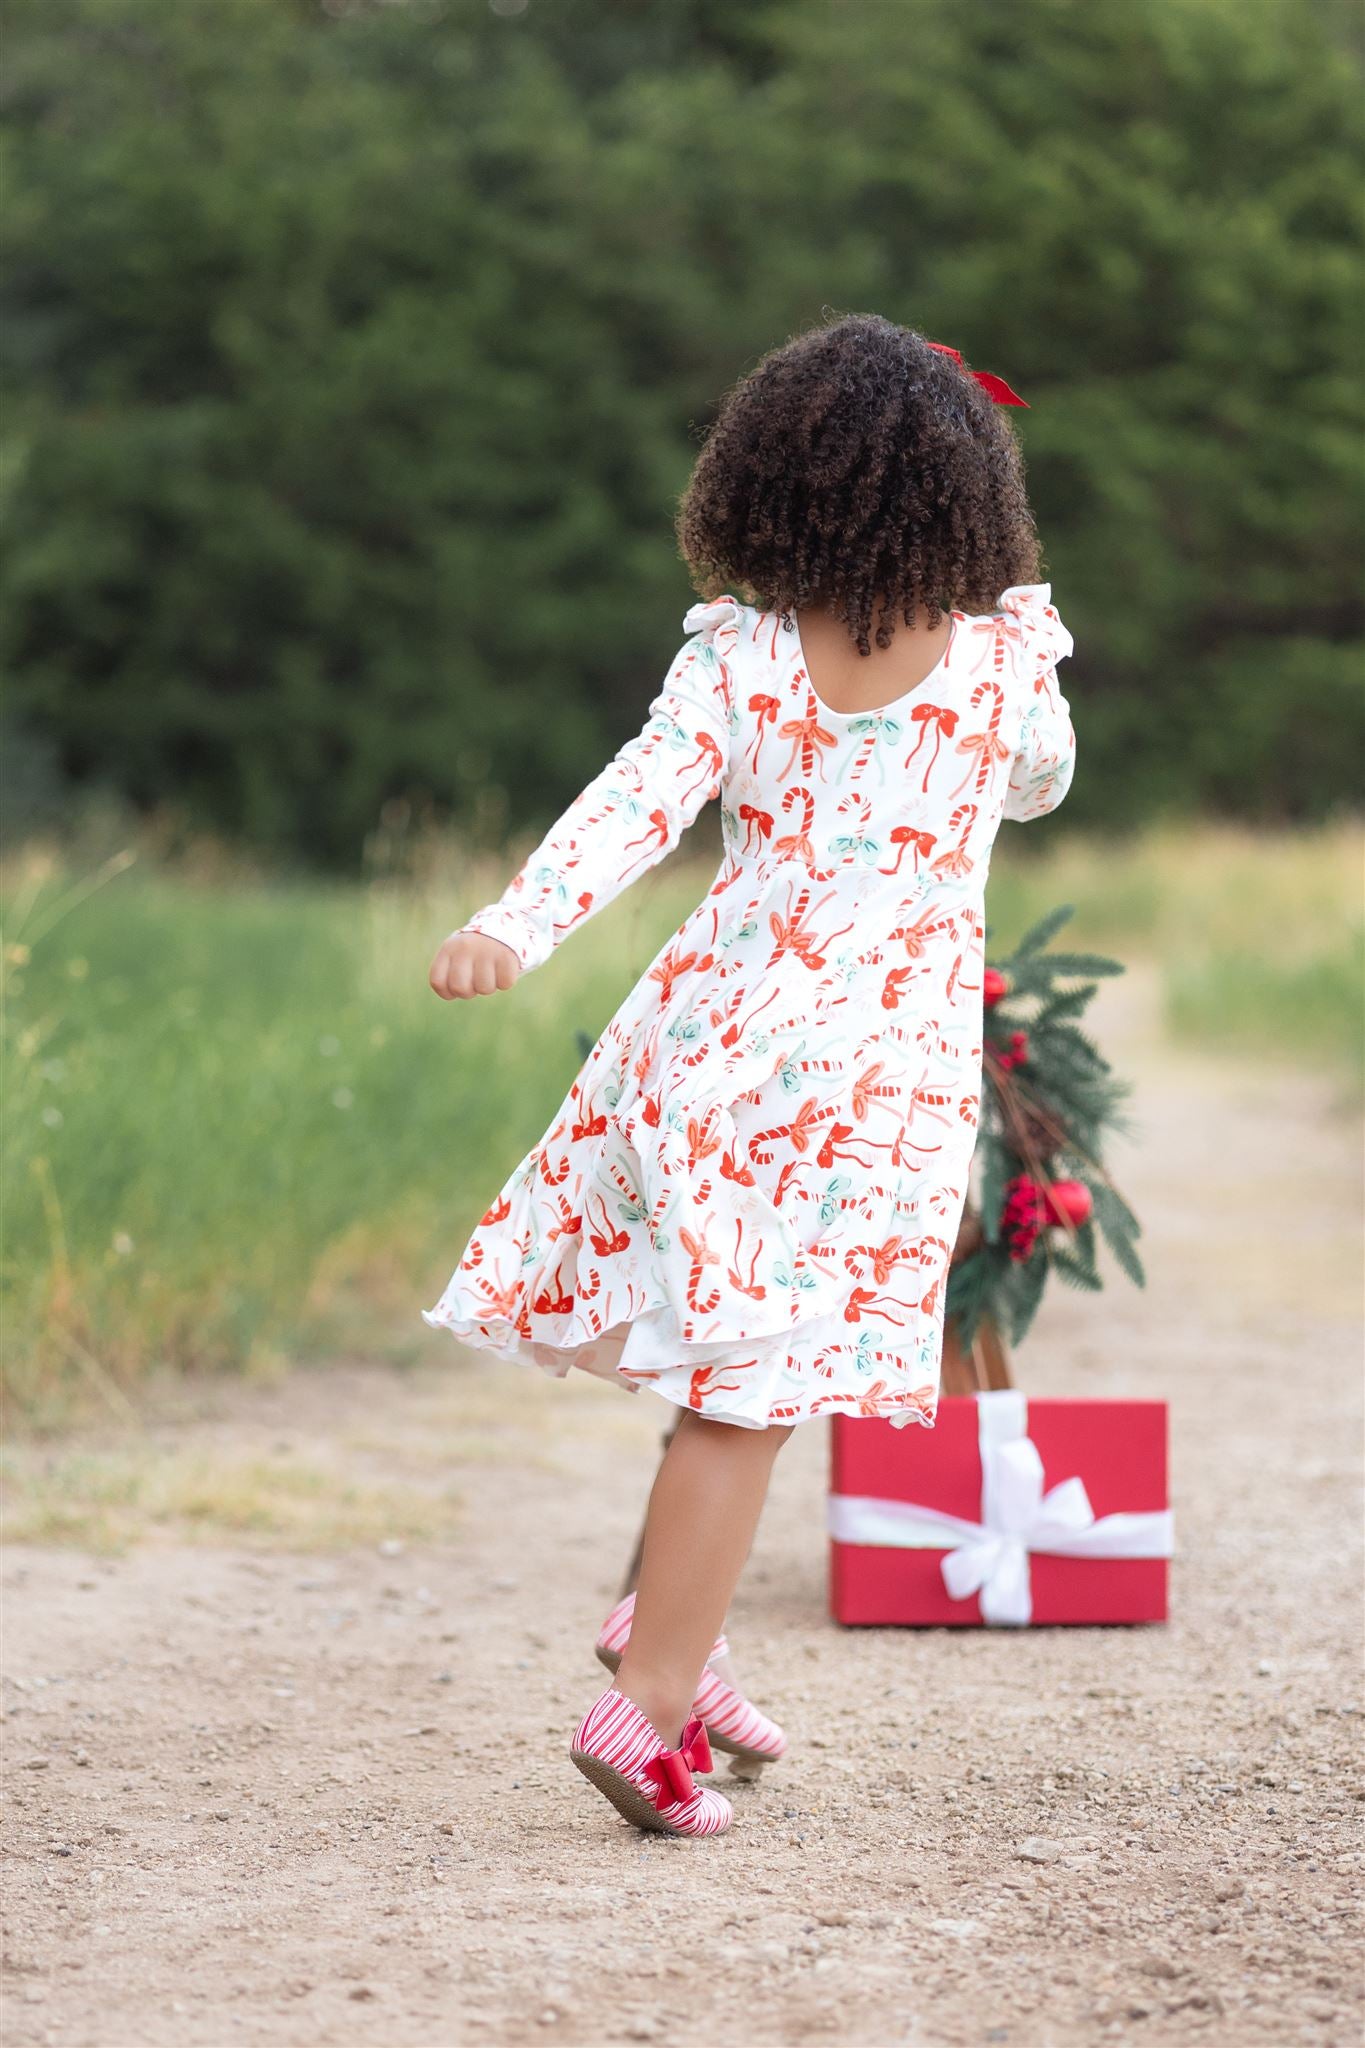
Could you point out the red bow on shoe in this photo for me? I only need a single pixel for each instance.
(994, 387)
(672, 1769)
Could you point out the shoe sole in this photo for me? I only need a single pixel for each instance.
(612, 1660)
(629, 1802)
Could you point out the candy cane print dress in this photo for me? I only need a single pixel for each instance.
(749, 1197)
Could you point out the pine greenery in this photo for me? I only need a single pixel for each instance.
(1046, 1119)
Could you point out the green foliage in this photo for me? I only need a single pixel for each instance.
(182, 1187)
(353, 354)
(1066, 1080)
(238, 1126)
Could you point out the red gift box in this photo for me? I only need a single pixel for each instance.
(1008, 1512)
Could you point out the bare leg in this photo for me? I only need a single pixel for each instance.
(703, 1511)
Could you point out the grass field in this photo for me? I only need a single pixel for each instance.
(241, 1130)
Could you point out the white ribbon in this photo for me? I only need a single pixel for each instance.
(991, 1557)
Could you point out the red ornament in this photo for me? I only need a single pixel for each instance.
(994, 985)
(1069, 1202)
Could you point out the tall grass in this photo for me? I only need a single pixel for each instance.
(239, 1128)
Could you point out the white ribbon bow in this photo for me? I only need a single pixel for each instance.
(991, 1557)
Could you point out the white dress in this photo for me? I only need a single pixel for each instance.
(749, 1197)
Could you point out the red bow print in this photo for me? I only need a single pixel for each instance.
(994, 387)
(672, 1769)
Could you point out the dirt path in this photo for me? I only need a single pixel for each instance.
(266, 1796)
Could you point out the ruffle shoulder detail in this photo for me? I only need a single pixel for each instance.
(711, 618)
(1030, 608)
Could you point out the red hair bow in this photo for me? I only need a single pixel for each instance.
(994, 387)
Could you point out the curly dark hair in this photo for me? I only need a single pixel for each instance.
(859, 470)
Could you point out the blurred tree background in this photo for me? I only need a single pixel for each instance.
(356, 355)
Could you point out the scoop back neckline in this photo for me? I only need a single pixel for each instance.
(876, 710)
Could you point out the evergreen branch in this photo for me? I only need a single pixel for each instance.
(1113, 1214)
(1068, 966)
(1038, 935)
(1076, 1274)
(1029, 1280)
(1126, 1257)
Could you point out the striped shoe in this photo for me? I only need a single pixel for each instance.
(618, 1749)
(733, 1723)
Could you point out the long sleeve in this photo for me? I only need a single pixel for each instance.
(635, 810)
(1044, 758)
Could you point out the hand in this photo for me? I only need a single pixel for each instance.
(469, 964)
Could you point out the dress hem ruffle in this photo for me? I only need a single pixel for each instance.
(674, 1384)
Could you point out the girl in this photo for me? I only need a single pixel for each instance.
(748, 1199)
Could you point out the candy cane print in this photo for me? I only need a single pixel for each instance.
(866, 1301)
(634, 1207)
(701, 1256)
(756, 822)
(733, 1031)
(792, 934)
(765, 710)
(907, 835)
(867, 1403)
(499, 1298)
(883, 1258)
(605, 1242)
(955, 981)
(915, 937)
(930, 1251)
(929, 1038)
(955, 862)
(793, 1067)
(856, 842)
(933, 1101)
(648, 1053)
(987, 746)
(703, 1384)
(867, 1090)
(843, 1142)
(893, 988)
(707, 753)
(799, 1133)
(570, 1224)
(944, 722)
(797, 844)
(733, 1169)
(752, 1287)
(904, 1139)
(702, 1140)
(759, 622)
(808, 736)
(667, 970)
(547, 1304)
(562, 926)
(652, 842)
(871, 727)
